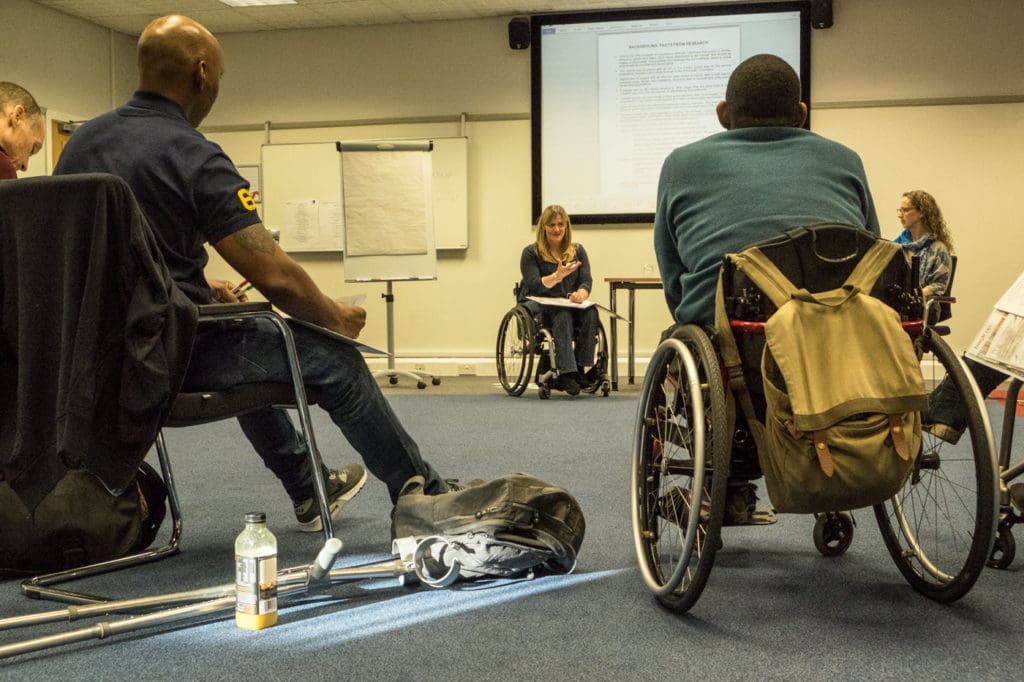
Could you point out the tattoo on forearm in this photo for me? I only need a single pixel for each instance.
(256, 238)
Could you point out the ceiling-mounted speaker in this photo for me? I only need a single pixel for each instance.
(519, 33)
(821, 13)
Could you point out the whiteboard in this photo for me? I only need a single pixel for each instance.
(302, 182)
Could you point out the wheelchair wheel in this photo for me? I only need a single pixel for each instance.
(833, 533)
(940, 527)
(600, 365)
(514, 351)
(680, 466)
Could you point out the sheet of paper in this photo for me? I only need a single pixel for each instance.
(354, 299)
(566, 303)
(360, 346)
(1013, 300)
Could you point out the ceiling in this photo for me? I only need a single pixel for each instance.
(131, 16)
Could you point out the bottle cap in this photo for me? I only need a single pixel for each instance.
(255, 517)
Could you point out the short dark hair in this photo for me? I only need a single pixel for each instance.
(12, 93)
(763, 90)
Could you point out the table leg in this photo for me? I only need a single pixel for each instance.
(613, 360)
(632, 318)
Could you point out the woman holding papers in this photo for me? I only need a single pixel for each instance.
(554, 267)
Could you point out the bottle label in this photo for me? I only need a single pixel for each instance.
(256, 585)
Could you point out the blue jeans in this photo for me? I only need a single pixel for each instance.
(944, 404)
(569, 325)
(227, 355)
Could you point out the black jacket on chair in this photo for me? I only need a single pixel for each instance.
(94, 335)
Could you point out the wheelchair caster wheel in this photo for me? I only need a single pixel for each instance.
(606, 389)
(435, 381)
(1003, 550)
(392, 380)
(833, 533)
(544, 392)
(421, 384)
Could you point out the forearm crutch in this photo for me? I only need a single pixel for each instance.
(415, 558)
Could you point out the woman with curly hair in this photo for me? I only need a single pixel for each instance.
(925, 235)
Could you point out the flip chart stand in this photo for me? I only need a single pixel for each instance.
(391, 373)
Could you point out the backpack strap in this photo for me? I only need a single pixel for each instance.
(872, 264)
(734, 368)
(764, 274)
(899, 437)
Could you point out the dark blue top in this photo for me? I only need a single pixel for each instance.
(533, 268)
(189, 190)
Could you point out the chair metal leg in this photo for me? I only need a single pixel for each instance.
(306, 426)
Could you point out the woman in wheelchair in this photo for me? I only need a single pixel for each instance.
(925, 235)
(554, 267)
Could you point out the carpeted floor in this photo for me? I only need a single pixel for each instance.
(774, 608)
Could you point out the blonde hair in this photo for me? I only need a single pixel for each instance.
(568, 248)
(931, 216)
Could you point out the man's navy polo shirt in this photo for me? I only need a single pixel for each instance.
(188, 189)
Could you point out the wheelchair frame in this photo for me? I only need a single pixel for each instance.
(939, 528)
(523, 340)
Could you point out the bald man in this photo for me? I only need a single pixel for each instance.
(22, 129)
(193, 195)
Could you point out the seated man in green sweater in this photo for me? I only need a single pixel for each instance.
(763, 175)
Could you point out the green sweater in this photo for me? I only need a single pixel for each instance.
(738, 187)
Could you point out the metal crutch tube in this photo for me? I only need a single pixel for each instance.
(292, 582)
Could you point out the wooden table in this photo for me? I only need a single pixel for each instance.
(630, 284)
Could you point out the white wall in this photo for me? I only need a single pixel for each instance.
(885, 80)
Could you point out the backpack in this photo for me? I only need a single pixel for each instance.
(500, 528)
(79, 522)
(843, 389)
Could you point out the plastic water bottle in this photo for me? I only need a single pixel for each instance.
(255, 574)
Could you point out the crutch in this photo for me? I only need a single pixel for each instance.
(416, 557)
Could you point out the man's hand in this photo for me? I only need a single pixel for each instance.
(223, 291)
(352, 319)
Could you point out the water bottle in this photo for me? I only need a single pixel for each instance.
(255, 574)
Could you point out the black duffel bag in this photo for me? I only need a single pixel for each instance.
(508, 526)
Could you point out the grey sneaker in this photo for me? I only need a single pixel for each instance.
(741, 507)
(342, 486)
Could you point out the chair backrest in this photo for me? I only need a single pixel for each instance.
(94, 335)
(818, 258)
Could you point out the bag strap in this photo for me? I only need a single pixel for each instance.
(872, 264)
(734, 368)
(764, 274)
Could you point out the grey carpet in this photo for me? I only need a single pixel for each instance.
(773, 609)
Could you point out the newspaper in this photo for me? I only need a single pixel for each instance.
(1000, 341)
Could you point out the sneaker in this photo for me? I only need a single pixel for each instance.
(567, 382)
(945, 432)
(342, 486)
(741, 507)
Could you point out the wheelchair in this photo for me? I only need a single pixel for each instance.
(524, 341)
(939, 528)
